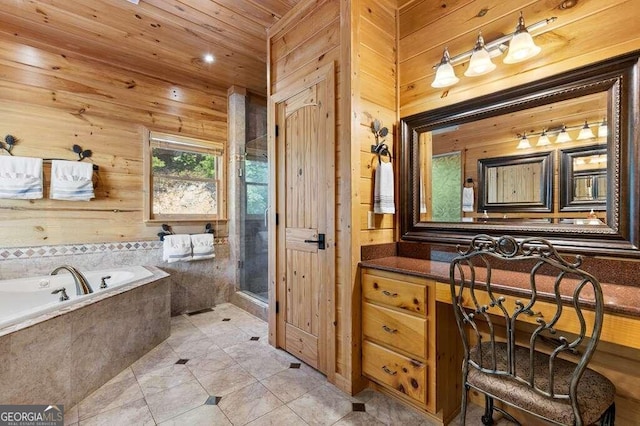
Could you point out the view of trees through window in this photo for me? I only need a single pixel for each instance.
(184, 182)
(256, 180)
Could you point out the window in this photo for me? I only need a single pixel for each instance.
(257, 181)
(185, 178)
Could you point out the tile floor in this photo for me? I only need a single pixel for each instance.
(217, 368)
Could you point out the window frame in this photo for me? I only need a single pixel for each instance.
(155, 139)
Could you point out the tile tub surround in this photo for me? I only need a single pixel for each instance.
(63, 359)
(210, 372)
(194, 285)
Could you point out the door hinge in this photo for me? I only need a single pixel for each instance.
(277, 219)
(276, 130)
(277, 307)
(240, 264)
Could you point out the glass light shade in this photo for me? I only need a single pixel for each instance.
(524, 143)
(521, 48)
(563, 136)
(543, 140)
(445, 75)
(603, 130)
(480, 62)
(585, 133)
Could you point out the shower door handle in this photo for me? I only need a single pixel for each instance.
(320, 241)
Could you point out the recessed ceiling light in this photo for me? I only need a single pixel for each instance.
(208, 58)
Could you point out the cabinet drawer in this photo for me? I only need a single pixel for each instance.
(393, 328)
(412, 297)
(403, 374)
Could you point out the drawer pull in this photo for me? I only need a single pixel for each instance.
(388, 371)
(388, 293)
(389, 330)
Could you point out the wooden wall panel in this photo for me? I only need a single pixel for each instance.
(50, 102)
(588, 32)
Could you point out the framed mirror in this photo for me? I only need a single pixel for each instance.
(583, 173)
(589, 108)
(516, 183)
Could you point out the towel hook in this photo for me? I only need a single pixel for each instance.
(380, 132)
(10, 141)
(166, 230)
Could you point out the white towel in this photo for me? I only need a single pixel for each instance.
(71, 180)
(383, 189)
(20, 178)
(202, 246)
(467, 199)
(176, 248)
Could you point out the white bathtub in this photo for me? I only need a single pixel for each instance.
(23, 299)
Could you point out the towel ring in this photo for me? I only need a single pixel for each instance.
(381, 150)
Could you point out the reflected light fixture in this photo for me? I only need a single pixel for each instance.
(521, 46)
(524, 142)
(585, 132)
(603, 129)
(480, 62)
(445, 76)
(543, 140)
(563, 136)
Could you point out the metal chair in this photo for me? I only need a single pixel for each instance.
(538, 368)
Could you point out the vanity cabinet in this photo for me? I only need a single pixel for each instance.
(410, 344)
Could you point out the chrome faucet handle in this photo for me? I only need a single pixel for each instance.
(103, 282)
(63, 293)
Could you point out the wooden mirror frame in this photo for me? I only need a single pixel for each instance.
(546, 182)
(618, 77)
(567, 175)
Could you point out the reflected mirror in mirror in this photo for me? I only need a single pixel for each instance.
(514, 161)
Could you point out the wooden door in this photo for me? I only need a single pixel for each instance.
(305, 256)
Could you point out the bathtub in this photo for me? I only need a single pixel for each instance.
(27, 298)
(54, 352)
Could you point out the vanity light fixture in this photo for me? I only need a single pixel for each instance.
(585, 132)
(480, 62)
(524, 142)
(603, 129)
(563, 136)
(445, 76)
(519, 44)
(543, 140)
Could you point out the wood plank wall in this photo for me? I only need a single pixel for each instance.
(51, 99)
(590, 31)
(360, 38)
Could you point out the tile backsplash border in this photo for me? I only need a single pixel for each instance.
(35, 252)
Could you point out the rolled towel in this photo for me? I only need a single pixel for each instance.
(383, 189)
(176, 248)
(202, 246)
(71, 180)
(467, 199)
(20, 178)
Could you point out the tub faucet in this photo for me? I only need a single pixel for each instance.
(82, 285)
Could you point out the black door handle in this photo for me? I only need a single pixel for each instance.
(319, 241)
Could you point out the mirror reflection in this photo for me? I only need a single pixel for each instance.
(493, 169)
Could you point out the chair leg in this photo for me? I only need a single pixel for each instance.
(609, 416)
(487, 419)
(463, 408)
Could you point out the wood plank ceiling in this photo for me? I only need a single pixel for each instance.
(166, 39)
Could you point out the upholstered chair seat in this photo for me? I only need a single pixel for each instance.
(595, 392)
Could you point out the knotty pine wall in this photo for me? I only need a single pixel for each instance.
(359, 37)
(51, 99)
(590, 31)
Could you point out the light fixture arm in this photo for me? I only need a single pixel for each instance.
(495, 44)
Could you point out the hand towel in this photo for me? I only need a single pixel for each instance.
(467, 199)
(176, 248)
(202, 246)
(71, 180)
(20, 178)
(383, 189)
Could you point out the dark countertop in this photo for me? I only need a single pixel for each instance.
(618, 299)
